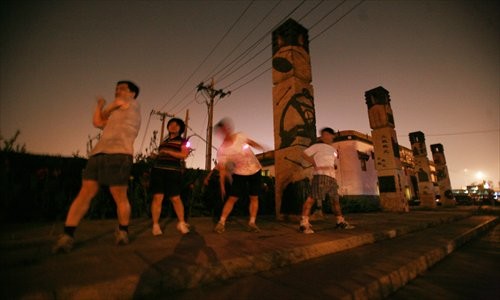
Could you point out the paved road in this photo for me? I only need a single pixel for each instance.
(396, 247)
(472, 272)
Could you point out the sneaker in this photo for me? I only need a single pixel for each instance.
(157, 230)
(183, 227)
(64, 243)
(251, 227)
(121, 237)
(306, 228)
(219, 228)
(344, 225)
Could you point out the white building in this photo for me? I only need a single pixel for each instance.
(356, 174)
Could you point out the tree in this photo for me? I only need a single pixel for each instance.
(11, 145)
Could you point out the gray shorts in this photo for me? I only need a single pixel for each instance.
(109, 169)
(323, 185)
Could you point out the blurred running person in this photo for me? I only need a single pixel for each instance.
(237, 162)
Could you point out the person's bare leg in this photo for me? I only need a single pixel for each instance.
(81, 203)
(119, 194)
(253, 208)
(306, 207)
(156, 207)
(178, 207)
(228, 207)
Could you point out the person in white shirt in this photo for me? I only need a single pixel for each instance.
(237, 162)
(323, 157)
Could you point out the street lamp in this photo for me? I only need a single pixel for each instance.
(479, 175)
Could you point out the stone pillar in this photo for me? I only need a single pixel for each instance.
(293, 107)
(385, 145)
(423, 170)
(443, 177)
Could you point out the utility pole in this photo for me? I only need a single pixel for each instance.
(210, 93)
(163, 116)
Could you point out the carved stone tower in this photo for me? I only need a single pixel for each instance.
(293, 106)
(386, 148)
(423, 170)
(443, 177)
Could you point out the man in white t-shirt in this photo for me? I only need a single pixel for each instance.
(323, 157)
(237, 162)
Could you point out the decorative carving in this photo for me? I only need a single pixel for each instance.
(298, 120)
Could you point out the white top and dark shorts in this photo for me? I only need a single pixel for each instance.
(245, 169)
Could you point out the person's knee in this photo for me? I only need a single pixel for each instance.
(89, 189)
(176, 199)
(119, 194)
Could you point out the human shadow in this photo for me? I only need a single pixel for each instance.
(175, 269)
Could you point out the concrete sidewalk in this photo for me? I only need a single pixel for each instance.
(97, 269)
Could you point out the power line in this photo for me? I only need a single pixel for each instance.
(145, 132)
(241, 41)
(327, 14)
(208, 55)
(249, 81)
(231, 64)
(311, 10)
(338, 20)
(262, 73)
(255, 44)
(268, 45)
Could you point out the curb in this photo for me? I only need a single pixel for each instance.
(388, 284)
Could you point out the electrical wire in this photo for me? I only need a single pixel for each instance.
(316, 36)
(241, 41)
(327, 14)
(232, 64)
(249, 49)
(208, 55)
(145, 132)
(268, 45)
(338, 20)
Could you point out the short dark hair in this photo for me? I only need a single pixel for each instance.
(224, 122)
(131, 86)
(328, 129)
(179, 122)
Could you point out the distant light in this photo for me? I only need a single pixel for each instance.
(480, 175)
(188, 144)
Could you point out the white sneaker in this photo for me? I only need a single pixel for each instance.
(306, 227)
(183, 227)
(157, 230)
(219, 228)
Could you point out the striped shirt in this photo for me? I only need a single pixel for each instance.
(165, 161)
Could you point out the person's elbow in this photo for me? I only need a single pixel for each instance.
(99, 124)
